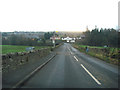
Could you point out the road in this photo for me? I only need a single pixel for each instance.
(73, 69)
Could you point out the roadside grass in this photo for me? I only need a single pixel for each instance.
(91, 46)
(111, 49)
(111, 55)
(15, 48)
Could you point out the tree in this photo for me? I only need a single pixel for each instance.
(48, 35)
(100, 38)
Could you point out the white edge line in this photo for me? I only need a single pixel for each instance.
(32, 73)
(91, 75)
(75, 58)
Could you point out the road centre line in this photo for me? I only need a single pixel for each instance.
(75, 58)
(91, 75)
(70, 50)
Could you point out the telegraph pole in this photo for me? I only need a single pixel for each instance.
(54, 39)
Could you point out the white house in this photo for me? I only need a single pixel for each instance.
(68, 39)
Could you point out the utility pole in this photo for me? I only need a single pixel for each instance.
(95, 26)
(86, 28)
(54, 39)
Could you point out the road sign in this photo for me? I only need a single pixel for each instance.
(54, 38)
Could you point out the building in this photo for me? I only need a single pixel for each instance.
(68, 39)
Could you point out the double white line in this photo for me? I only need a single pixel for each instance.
(89, 73)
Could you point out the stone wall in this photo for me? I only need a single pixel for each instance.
(13, 60)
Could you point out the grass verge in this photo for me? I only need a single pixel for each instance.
(110, 55)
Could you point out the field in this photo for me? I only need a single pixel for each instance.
(15, 48)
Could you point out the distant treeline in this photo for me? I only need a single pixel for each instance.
(102, 37)
(22, 40)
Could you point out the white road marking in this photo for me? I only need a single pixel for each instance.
(75, 58)
(91, 75)
(70, 50)
(34, 71)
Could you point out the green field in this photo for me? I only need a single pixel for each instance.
(15, 48)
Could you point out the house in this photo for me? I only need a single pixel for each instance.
(68, 39)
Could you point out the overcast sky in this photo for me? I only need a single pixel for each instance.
(57, 15)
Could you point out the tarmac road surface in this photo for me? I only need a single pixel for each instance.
(73, 69)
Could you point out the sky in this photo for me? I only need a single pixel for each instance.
(57, 15)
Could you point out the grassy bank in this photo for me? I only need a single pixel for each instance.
(108, 54)
(15, 48)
